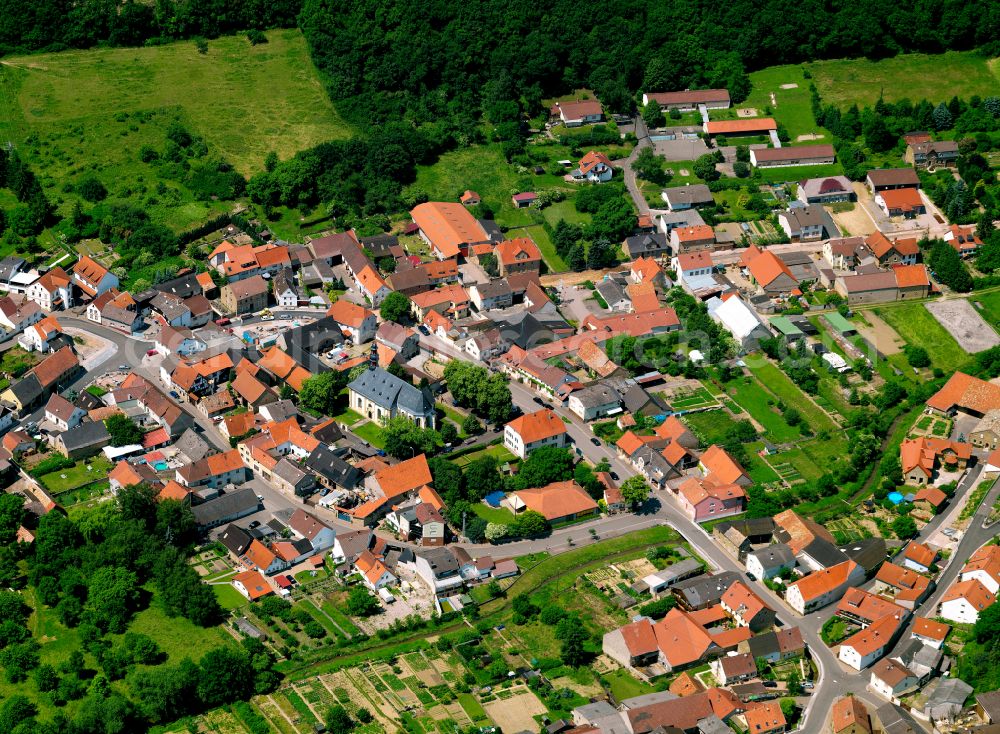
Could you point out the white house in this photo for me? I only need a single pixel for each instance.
(964, 601)
(374, 572)
(371, 285)
(692, 264)
(93, 278)
(310, 527)
(63, 413)
(52, 291)
(41, 336)
(824, 587)
(868, 645)
(802, 223)
(356, 320)
(891, 680)
(284, 291)
(528, 432)
(595, 401)
(438, 568)
(594, 167)
(770, 561)
(984, 567)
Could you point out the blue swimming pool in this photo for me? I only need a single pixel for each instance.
(895, 498)
(160, 466)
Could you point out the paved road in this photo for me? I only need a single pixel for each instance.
(642, 141)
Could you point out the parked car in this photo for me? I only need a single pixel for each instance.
(423, 330)
(538, 400)
(595, 441)
(150, 352)
(222, 322)
(254, 524)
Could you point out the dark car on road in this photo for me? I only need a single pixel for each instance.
(595, 441)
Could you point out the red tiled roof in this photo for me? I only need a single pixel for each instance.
(537, 426)
(756, 124)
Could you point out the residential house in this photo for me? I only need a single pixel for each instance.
(525, 199)
(964, 239)
(930, 632)
(558, 502)
(647, 270)
(868, 645)
(594, 401)
(115, 310)
(518, 255)
(932, 153)
(845, 253)
(892, 680)
(803, 223)
(795, 155)
(50, 375)
(438, 568)
(680, 198)
(918, 557)
(62, 413)
(905, 203)
(765, 718)
(92, 278)
(920, 457)
(703, 592)
(703, 500)
(902, 251)
(770, 561)
(485, 345)
(984, 567)
(827, 190)
(348, 546)
(689, 265)
(356, 321)
(494, 294)
(371, 285)
(889, 179)
(688, 239)
(125, 474)
(647, 244)
(964, 601)
(718, 467)
(768, 272)
(776, 646)
(380, 396)
(217, 470)
(528, 432)
(594, 167)
(43, 337)
(52, 291)
(824, 587)
(86, 439)
(226, 508)
(245, 296)
(734, 668)
(747, 609)
(849, 716)
(967, 395)
(16, 317)
(373, 571)
(252, 585)
(285, 292)
(580, 112)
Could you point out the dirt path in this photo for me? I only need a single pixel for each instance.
(556, 279)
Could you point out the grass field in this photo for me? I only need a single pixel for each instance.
(988, 304)
(244, 100)
(710, 425)
(793, 108)
(755, 400)
(370, 432)
(496, 515)
(497, 451)
(60, 481)
(624, 685)
(565, 210)
(917, 326)
(779, 383)
(228, 596)
(914, 76)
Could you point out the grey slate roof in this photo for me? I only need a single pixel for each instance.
(389, 391)
(441, 560)
(705, 590)
(230, 505)
(354, 543)
(869, 553)
(84, 435)
(28, 389)
(895, 720)
(641, 244)
(777, 555)
(235, 539)
(192, 445)
(327, 464)
(182, 287)
(597, 394)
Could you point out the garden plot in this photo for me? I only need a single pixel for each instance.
(964, 323)
(689, 395)
(788, 473)
(516, 713)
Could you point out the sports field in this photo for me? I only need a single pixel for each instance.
(89, 112)
(935, 77)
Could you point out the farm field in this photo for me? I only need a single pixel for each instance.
(229, 96)
(779, 383)
(914, 76)
(917, 326)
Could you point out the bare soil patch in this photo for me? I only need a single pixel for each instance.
(516, 713)
(883, 336)
(964, 323)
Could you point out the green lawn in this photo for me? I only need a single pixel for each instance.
(497, 451)
(624, 685)
(177, 636)
(710, 425)
(496, 515)
(342, 620)
(243, 100)
(228, 596)
(565, 209)
(754, 399)
(370, 432)
(988, 305)
(793, 108)
(798, 173)
(780, 384)
(917, 326)
(914, 76)
(64, 479)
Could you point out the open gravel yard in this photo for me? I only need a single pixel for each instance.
(964, 323)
